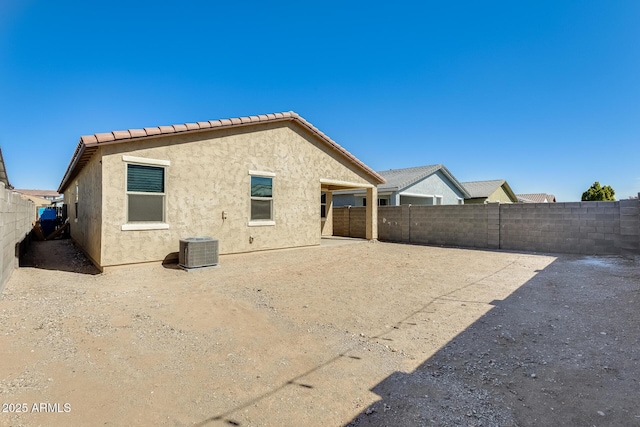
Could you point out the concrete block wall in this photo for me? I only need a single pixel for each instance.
(591, 228)
(350, 221)
(465, 225)
(393, 223)
(358, 222)
(629, 242)
(16, 215)
(341, 221)
(578, 228)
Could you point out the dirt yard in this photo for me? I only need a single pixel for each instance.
(362, 334)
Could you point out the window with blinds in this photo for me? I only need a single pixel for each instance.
(145, 193)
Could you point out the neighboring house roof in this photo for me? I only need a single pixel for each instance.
(38, 201)
(536, 198)
(90, 143)
(39, 193)
(399, 179)
(3, 172)
(484, 189)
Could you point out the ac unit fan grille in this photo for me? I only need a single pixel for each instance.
(198, 252)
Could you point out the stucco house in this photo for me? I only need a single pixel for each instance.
(494, 191)
(421, 185)
(254, 183)
(536, 198)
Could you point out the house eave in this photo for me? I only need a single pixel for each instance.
(89, 144)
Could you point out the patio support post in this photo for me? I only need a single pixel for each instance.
(372, 213)
(327, 230)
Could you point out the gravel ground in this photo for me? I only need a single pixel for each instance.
(359, 334)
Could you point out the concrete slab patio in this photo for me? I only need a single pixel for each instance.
(357, 334)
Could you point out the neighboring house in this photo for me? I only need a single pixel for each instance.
(254, 183)
(40, 204)
(495, 191)
(422, 185)
(54, 198)
(536, 198)
(51, 195)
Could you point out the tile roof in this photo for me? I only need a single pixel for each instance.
(398, 179)
(39, 193)
(89, 144)
(536, 198)
(38, 201)
(483, 189)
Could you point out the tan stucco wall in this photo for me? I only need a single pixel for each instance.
(86, 226)
(209, 174)
(500, 196)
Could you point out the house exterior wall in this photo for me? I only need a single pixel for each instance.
(208, 175)
(435, 184)
(500, 196)
(85, 225)
(415, 201)
(340, 200)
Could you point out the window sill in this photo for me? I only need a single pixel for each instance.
(145, 226)
(261, 223)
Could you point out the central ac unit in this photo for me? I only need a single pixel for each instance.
(198, 252)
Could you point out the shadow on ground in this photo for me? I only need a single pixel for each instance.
(562, 350)
(60, 255)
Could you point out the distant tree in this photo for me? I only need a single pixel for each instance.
(598, 193)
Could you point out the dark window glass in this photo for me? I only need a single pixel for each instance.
(144, 207)
(261, 186)
(145, 179)
(260, 209)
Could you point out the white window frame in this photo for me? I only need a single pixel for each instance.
(151, 225)
(438, 200)
(263, 222)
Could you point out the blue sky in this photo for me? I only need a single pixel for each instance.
(544, 94)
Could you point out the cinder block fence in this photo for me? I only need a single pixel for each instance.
(16, 215)
(594, 228)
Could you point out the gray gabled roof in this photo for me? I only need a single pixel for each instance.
(399, 179)
(484, 189)
(536, 198)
